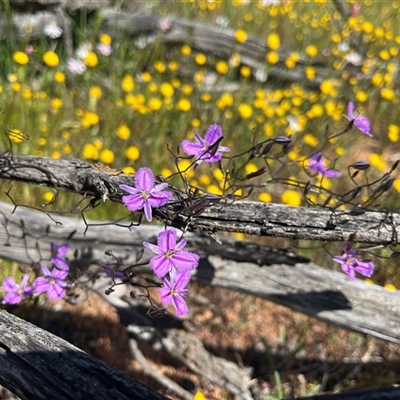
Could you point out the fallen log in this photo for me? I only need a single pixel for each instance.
(284, 278)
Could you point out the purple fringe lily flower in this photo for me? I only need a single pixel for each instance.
(174, 290)
(145, 195)
(317, 164)
(204, 149)
(170, 258)
(360, 121)
(351, 264)
(58, 256)
(16, 292)
(53, 282)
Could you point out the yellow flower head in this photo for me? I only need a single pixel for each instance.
(273, 41)
(20, 58)
(166, 89)
(184, 105)
(107, 156)
(292, 198)
(91, 59)
(311, 50)
(245, 110)
(241, 35)
(123, 132)
(186, 50)
(200, 59)
(222, 67)
(160, 67)
(127, 83)
(90, 152)
(105, 39)
(15, 135)
(59, 77)
(95, 92)
(132, 153)
(272, 57)
(50, 59)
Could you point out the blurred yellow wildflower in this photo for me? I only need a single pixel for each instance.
(387, 94)
(272, 57)
(127, 83)
(155, 103)
(90, 152)
(15, 135)
(50, 59)
(273, 41)
(184, 105)
(245, 71)
(222, 67)
(59, 77)
(390, 287)
(166, 89)
(328, 88)
(310, 73)
(123, 132)
(310, 139)
(186, 168)
(132, 153)
(105, 39)
(291, 197)
(311, 50)
(245, 110)
(250, 167)
(173, 66)
(48, 196)
(241, 35)
(377, 161)
(107, 156)
(20, 58)
(186, 50)
(95, 92)
(204, 179)
(56, 103)
(214, 189)
(89, 119)
(160, 67)
(205, 97)
(361, 96)
(316, 110)
(128, 170)
(393, 133)
(91, 59)
(265, 197)
(367, 27)
(200, 59)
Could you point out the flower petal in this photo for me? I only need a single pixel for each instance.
(214, 132)
(144, 179)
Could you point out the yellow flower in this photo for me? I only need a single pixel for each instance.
(384, 55)
(311, 50)
(50, 59)
(184, 166)
(245, 110)
(204, 179)
(132, 153)
(292, 198)
(245, 71)
(241, 35)
(376, 161)
(393, 133)
(361, 96)
(187, 90)
(55, 154)
(214, 189)
(396, 184)
(265, 197)
(273, 41)
(390, 287)
(15, 135)
(89, 119)
(90, 152)
(172, 66)
(123, 132)
(387, 94)
(127, 83)
(315, 111)
(367, 27)
(146, 76)
(166, 89)
(48, 196)
(327, 87)
(155, 103)
(222, 67)
(95, 92)
(59, 77)
(160, 67)
(377, 79)
(166, 172)
(206, 97)
(91, 59)
(184, 105)
(105, 39)
(186, 50)
(200, 59)
(195, 122)
(128, 170)
(107, 156)
(56, 103)
(310, 73)
(20, 58)
(272, 57)
(250, 167)
(311, 140)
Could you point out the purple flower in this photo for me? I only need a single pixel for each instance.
(317, 164)
(53, 282)
(57, 256)
(15, 291)
(361, 122)
(170, 256)
(351, 264)
(205, 149)
(145, 194)
(174, 291)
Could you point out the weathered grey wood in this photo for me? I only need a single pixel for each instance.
(285, 278)
(35, 364)
(253, 218)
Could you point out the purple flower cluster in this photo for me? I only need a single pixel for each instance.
(53, 281)
(171, 259)
(361, 122)
(351, 264)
